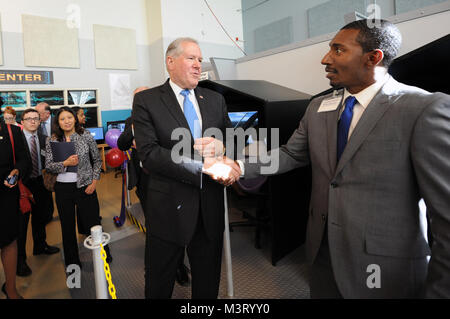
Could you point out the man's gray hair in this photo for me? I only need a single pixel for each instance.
(174, 49)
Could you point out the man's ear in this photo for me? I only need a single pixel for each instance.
(375, 57)
(169, 62)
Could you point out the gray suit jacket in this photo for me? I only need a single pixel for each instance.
(398, 153)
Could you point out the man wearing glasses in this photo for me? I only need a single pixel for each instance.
(43, 206)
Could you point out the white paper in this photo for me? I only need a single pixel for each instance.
(120, 89)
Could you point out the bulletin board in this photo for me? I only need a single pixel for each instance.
(49, 42)
(115, 48)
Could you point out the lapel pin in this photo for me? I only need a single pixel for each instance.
(200, 96)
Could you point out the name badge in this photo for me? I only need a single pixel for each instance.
(330, 104)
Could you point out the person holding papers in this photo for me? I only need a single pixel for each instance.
(68, 153)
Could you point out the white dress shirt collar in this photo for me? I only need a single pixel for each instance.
(365, 96)
(177, 90)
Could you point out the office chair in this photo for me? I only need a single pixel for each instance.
(252, 188)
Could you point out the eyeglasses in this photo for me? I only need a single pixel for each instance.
(30, 119)
(7, 118)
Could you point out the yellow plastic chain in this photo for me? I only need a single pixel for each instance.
(111, 288)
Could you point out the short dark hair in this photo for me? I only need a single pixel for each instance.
(378, 34)
(57, 131)
(29, 110)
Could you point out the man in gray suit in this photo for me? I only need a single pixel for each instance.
(376, 148)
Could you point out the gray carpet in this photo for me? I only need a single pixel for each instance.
(254, 276)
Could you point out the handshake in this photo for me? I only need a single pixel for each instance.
(221, 168)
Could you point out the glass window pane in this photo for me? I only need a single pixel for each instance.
(81, 97)
(50, 97)
(14, 99)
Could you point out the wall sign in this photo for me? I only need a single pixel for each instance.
(25, 77)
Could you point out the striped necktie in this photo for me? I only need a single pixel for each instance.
(34, 157)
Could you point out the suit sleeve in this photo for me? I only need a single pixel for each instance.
(23, 164)
(294, 154)
(154, 157)
(126, 138)
(430, 152)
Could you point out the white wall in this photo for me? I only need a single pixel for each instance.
(130, 14)
(300, 69)
(193, 18)
(118, 13)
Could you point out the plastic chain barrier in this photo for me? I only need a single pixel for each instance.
(111, 287)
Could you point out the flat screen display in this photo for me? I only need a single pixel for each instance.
(116, 124)
(238, 119)
(97, 133)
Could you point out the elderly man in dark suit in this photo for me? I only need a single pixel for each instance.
(376, 148)
(184, 209)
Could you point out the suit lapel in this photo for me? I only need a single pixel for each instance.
(171, 102)
(331, 122)
(373, 113)
(202, 104)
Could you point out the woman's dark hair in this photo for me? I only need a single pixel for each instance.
(76, 109)
(57, 131)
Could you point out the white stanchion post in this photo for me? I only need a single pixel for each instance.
(93, 242)
(227, 248)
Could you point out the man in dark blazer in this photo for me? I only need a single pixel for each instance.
(376, 148)
(184, 209)
(45, 115)
(43, 206)
(137, 177)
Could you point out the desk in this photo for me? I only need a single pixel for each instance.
(101, 148)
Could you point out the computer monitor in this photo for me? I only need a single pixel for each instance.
(115, 124)
(97, 134)
(239, 119)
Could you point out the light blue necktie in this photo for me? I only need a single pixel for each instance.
(344, 125)
(191, 115)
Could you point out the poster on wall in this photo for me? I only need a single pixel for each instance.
(120, 89)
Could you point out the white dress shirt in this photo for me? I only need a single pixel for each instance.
(180, 98)
(363, 99)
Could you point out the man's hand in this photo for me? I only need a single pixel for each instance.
(222, 169)
(209, 147)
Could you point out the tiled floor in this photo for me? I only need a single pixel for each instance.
(48, 279)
